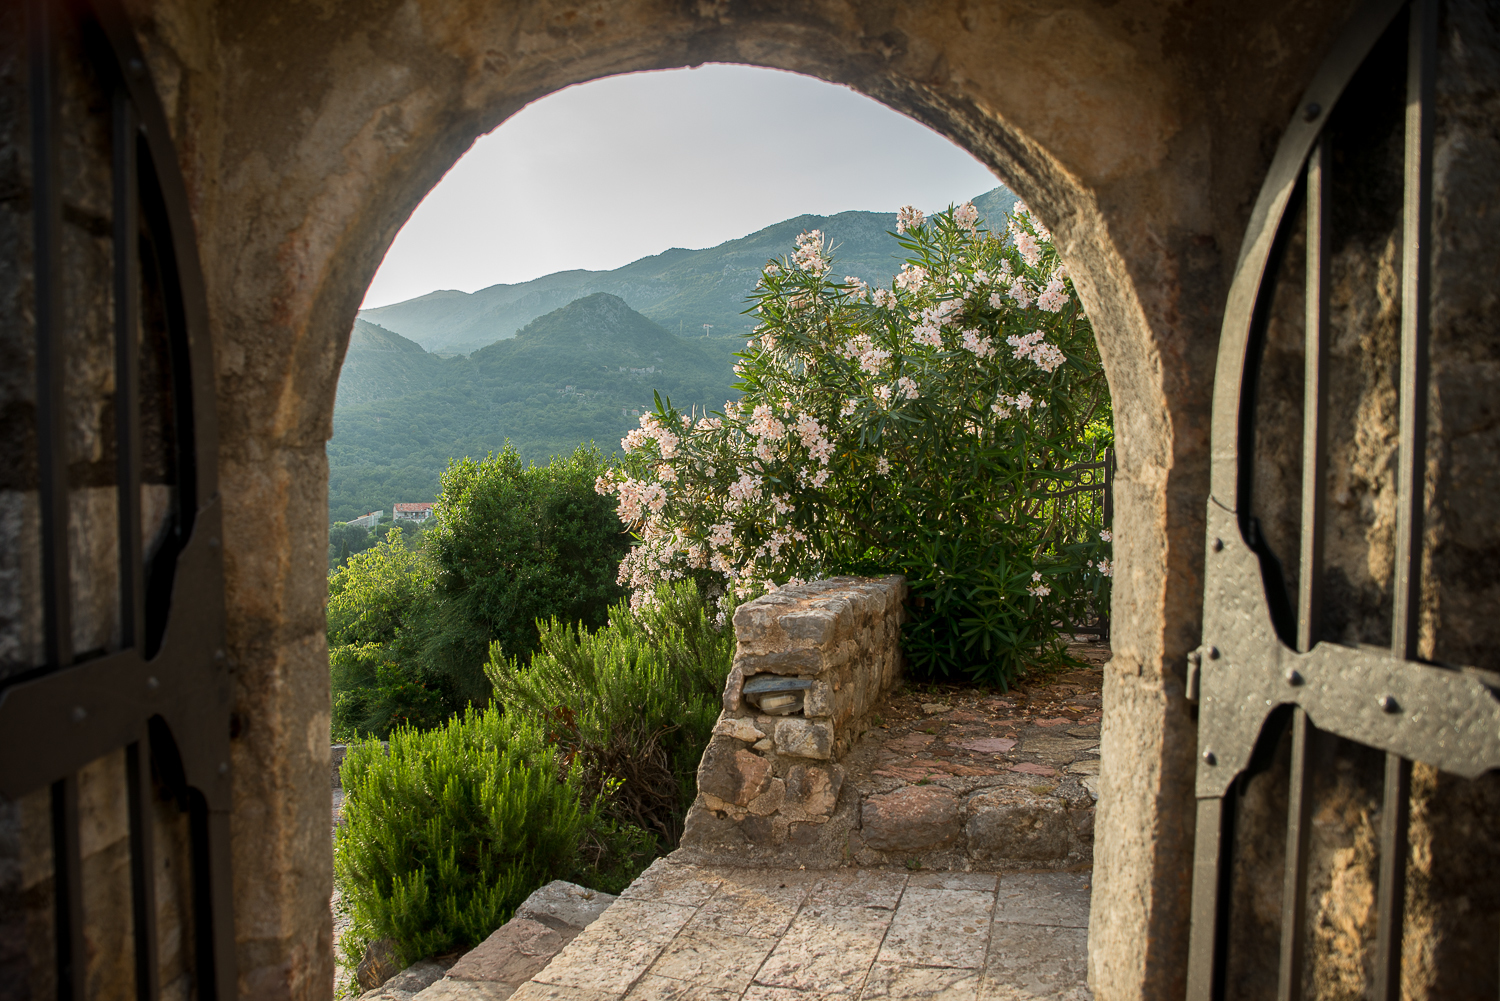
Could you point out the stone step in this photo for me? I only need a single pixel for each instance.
(515, 952)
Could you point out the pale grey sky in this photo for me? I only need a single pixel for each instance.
(604, 173)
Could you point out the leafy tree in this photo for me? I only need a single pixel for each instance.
(513, 543)
(379, 605)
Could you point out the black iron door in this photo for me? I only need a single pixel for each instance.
(1295, 681)
(115, 694)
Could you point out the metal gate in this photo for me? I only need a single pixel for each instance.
(1268, 672)
(115, 689)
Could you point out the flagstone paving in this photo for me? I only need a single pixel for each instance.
(686, 932)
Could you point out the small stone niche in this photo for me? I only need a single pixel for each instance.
(811, 662)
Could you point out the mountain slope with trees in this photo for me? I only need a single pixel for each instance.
(580, 373)
(680, 289)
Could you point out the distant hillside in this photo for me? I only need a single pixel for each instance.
(383, 365)
(679, 289)
(583, 372)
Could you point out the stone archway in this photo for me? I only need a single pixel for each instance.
(1139, 132)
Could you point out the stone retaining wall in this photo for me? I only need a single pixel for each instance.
(775, 779)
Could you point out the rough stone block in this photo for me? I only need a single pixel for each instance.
(769, 801)
(813, 790)
(816, 626)
(408, 983)
(819, 700)
(378, 964)
(513, 953)
(910, 819)
(565, 904)
(1015, 823)
(732, 773)
(739, 729)
(802, 738)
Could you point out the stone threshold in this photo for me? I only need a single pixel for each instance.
(685, 932)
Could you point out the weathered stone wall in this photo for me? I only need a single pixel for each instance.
(772, 780)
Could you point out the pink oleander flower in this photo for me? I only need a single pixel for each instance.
(1031, 253)
(1106, 536)
(1031, 346)
(1020, 293)
(907, 388)
(666, 473)
(911, 278)
(810, 255)
(848, 407)
(603, 485)
(908, 217)
(885, 298)
(981, 346)
(967, 216)
(883, 466)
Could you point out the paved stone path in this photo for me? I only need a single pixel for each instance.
(715, 933)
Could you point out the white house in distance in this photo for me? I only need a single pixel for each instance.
(367, 521)
(412, 512)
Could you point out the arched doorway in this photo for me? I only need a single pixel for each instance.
(306, 135)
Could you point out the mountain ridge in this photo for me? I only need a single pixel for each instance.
(680, 289)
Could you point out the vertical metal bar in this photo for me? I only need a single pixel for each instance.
(222, 887)
(1314, 398)
(213, 895)
(142, 873)
(51, 423)
(1209, 936)
(1109, 488)
(1416, 260)
(1391, 895)
(67, 885)
(1294, 884)
(126, 211)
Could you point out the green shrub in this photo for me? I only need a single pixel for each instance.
(632, 704)
(447, 833)
(515, 543)
(409, 629)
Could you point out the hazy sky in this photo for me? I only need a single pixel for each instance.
(602, 174)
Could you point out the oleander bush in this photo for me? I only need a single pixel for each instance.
(927, 429)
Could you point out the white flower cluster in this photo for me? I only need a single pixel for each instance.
(858, 287)
(1055, 296)
(932, 321)
(1037, 588)
(870, 357)
(911, 278)
(1104, 566)
(1005, 405)
(981, 346)
(967, 216)
(1045, 356)
(811, 255)
(908, 217)
(651, 429)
